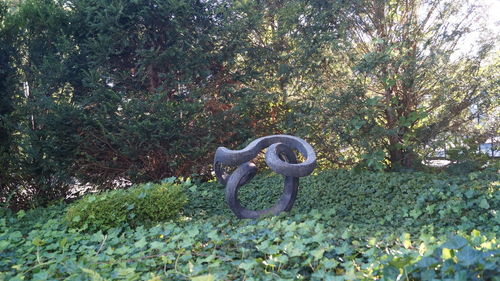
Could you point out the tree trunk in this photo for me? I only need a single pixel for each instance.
(400, 158)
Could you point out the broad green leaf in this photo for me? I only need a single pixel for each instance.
(4, 244)
(447, 253)
(42, 275)
(330, 263)
(427, 262)
(468, 256)
(318, 253)
(141, 243)
(208, 277)
(38, 242)
(405, 238)
(157, 245)
(455, 242)
(247, 265)
(484, 204)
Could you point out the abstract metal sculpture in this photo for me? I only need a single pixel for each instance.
(280, 157)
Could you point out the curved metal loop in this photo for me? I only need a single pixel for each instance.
(279, 157)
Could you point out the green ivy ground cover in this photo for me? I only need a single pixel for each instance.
(344, 226)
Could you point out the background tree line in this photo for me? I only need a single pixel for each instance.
(99, 90)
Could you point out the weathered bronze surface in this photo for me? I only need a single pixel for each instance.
(280, 157)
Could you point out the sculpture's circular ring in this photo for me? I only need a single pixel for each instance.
(279, 157)
(245, 172)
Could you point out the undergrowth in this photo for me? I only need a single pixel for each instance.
(409, 201)
(344, 226)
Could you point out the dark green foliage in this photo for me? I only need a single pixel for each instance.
(43, 121)
(344, 239)
(465, 159)
(463, 167)
(7, 74)
(98, 91)
(144, 204)
(102, 106)
(400, 82)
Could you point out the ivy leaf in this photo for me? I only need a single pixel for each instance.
(318, 253)
(391, 272)
(4, 245)
(168, 180)
(455, 242)
(127, 271)
(447, 254)
(468, 256)
(484, 204)
(248, 265)
(21, 214)
(405, 238)
(42, 275)
(415, 213)
(469, 194)
(38, 242)
(141, 243)
(296, 251)
(212, 235)
(330, 263)
(426, 262)
(400, 262)
(193, 232)
(63, 242)
(208, 277)
(157, 245)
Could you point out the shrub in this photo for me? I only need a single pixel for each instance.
(466, 159)
(143, 204)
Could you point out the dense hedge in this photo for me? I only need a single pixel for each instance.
(144, 204)
(99, 106)
(409, 226)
